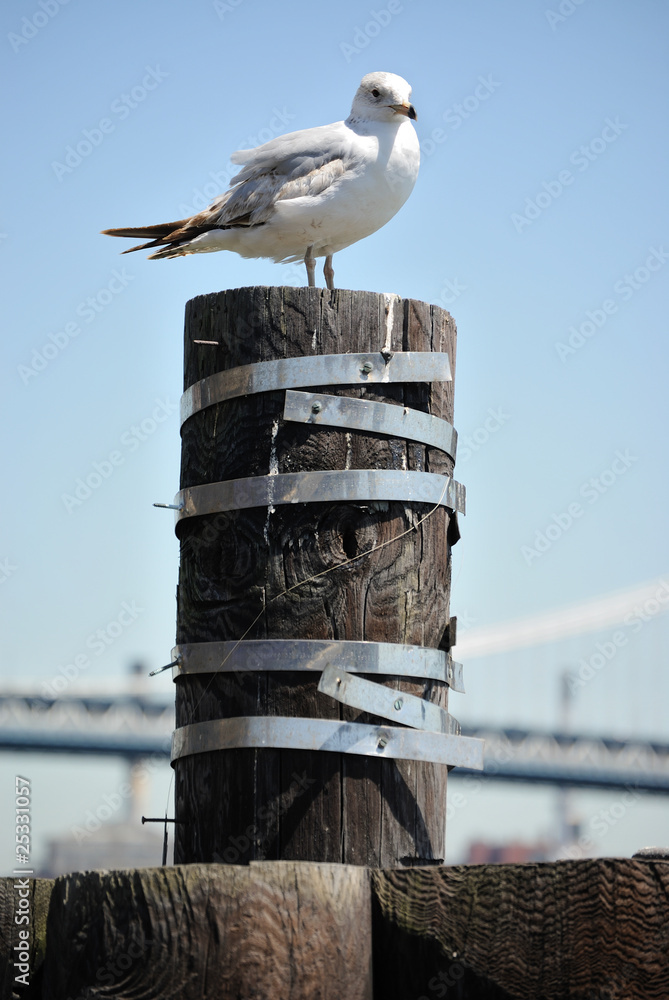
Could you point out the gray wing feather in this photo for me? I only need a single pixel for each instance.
(294, 153)
(289, 166)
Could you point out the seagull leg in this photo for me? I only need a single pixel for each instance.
(328, 271)
(310, 264)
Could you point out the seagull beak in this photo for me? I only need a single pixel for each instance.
(405, 109)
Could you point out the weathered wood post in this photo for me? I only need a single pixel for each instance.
(281, 491)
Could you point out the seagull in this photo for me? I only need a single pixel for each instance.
(310, 193)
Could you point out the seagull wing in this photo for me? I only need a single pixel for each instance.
(290, 166)
(298, 164)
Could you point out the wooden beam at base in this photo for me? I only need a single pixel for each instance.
(574, 930)
(15, 904)
(279, 930)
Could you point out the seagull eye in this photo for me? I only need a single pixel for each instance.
(376, 93)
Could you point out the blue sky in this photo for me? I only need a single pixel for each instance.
(538, 219)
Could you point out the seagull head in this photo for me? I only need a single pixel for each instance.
(382, 97)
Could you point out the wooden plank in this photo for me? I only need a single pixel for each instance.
(207, 932)
(577, 929)
(14, 907)
(241, 565)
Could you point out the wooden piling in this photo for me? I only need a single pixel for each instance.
(279, 930)
(568, 930)
(298, 931)
(256, 574)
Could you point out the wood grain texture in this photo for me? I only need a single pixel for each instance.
(575, 930)
(211, 932)
(238, 568)
(38, 906)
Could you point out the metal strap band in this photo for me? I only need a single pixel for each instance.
(319, 369)
(368, 415)
(329, 735)
(389, 703)
(320, 487)
(383, 658)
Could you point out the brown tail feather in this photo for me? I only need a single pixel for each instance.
(174, 250)
(162, 242)
(169, 236)
(155, 232)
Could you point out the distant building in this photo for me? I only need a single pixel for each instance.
(113, 846)
(514, 852)
(112, 836)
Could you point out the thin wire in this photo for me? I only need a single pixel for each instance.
(169, 792)
(165, 835)
(316, 576)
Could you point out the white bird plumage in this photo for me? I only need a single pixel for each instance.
(311, 193)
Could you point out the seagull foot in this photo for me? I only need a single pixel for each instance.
(310, 264)
(328, 272)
